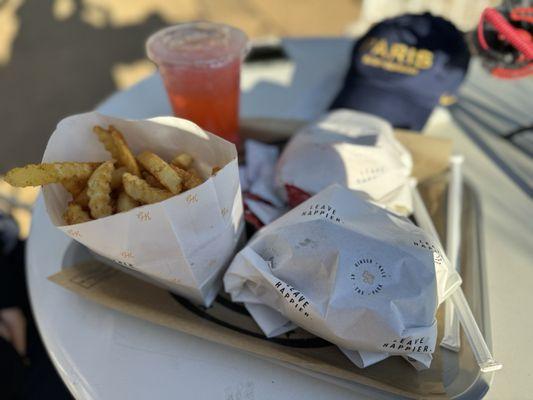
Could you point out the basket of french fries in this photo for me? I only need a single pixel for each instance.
(159, 197)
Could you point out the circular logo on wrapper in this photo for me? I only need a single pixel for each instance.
(368, 276)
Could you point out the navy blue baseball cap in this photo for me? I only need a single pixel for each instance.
(402, 67)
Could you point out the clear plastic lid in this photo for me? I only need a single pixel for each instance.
(197, 43)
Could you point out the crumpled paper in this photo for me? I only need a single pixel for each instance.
(351, 148)
(348, 271)
(261, 201)
(183, 243)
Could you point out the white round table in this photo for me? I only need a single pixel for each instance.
(102, 354)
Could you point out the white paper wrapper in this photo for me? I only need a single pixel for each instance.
(260, 163)
(354, 149)
(348, 271)
(183, 243)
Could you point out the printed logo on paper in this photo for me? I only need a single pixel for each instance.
(368, 276)
(412, 345)
(236, 317)
(294, 297)
(144, 216)
(369, 174)
(437, 256)
(322, 210)
(93, 276)
(74, 233)
(126, 259)
(192, 198)
(126, 254)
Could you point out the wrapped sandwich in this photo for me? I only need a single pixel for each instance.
(353, 149)
(348, 271)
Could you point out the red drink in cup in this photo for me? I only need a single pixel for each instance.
(200, 64)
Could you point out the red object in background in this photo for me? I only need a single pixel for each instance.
(296, 195)
(522, 14)
(207, 95)
(504, 41)
(251, 218)
(518, 38)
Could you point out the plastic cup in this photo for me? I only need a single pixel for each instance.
(200, 63)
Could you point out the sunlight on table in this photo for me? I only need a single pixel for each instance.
(18, 202)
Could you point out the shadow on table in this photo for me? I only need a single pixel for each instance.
(488, 111)
(58, 68)
(309, 88)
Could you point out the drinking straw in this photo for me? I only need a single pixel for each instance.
(481, 351)
(452, 335)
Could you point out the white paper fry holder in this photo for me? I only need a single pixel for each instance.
(183, 243)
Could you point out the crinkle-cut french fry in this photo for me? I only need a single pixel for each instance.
(74, 186)
(140, 190)
(74, 214)
(190, 178)
(42, 174)
(116, 177)
(183, 160)
(124, 155)
(82, 199)
(214, 170)
(125, 202)
(162, 171)
(194, 180)
(99, 190)
(152, 181)
(104, 136)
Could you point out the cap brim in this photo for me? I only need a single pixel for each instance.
(394, 106)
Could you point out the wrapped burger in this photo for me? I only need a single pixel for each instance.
(348, 271)
(159, 198)
(351, 148)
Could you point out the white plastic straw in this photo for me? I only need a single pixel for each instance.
(479, 347)
(452, 335)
